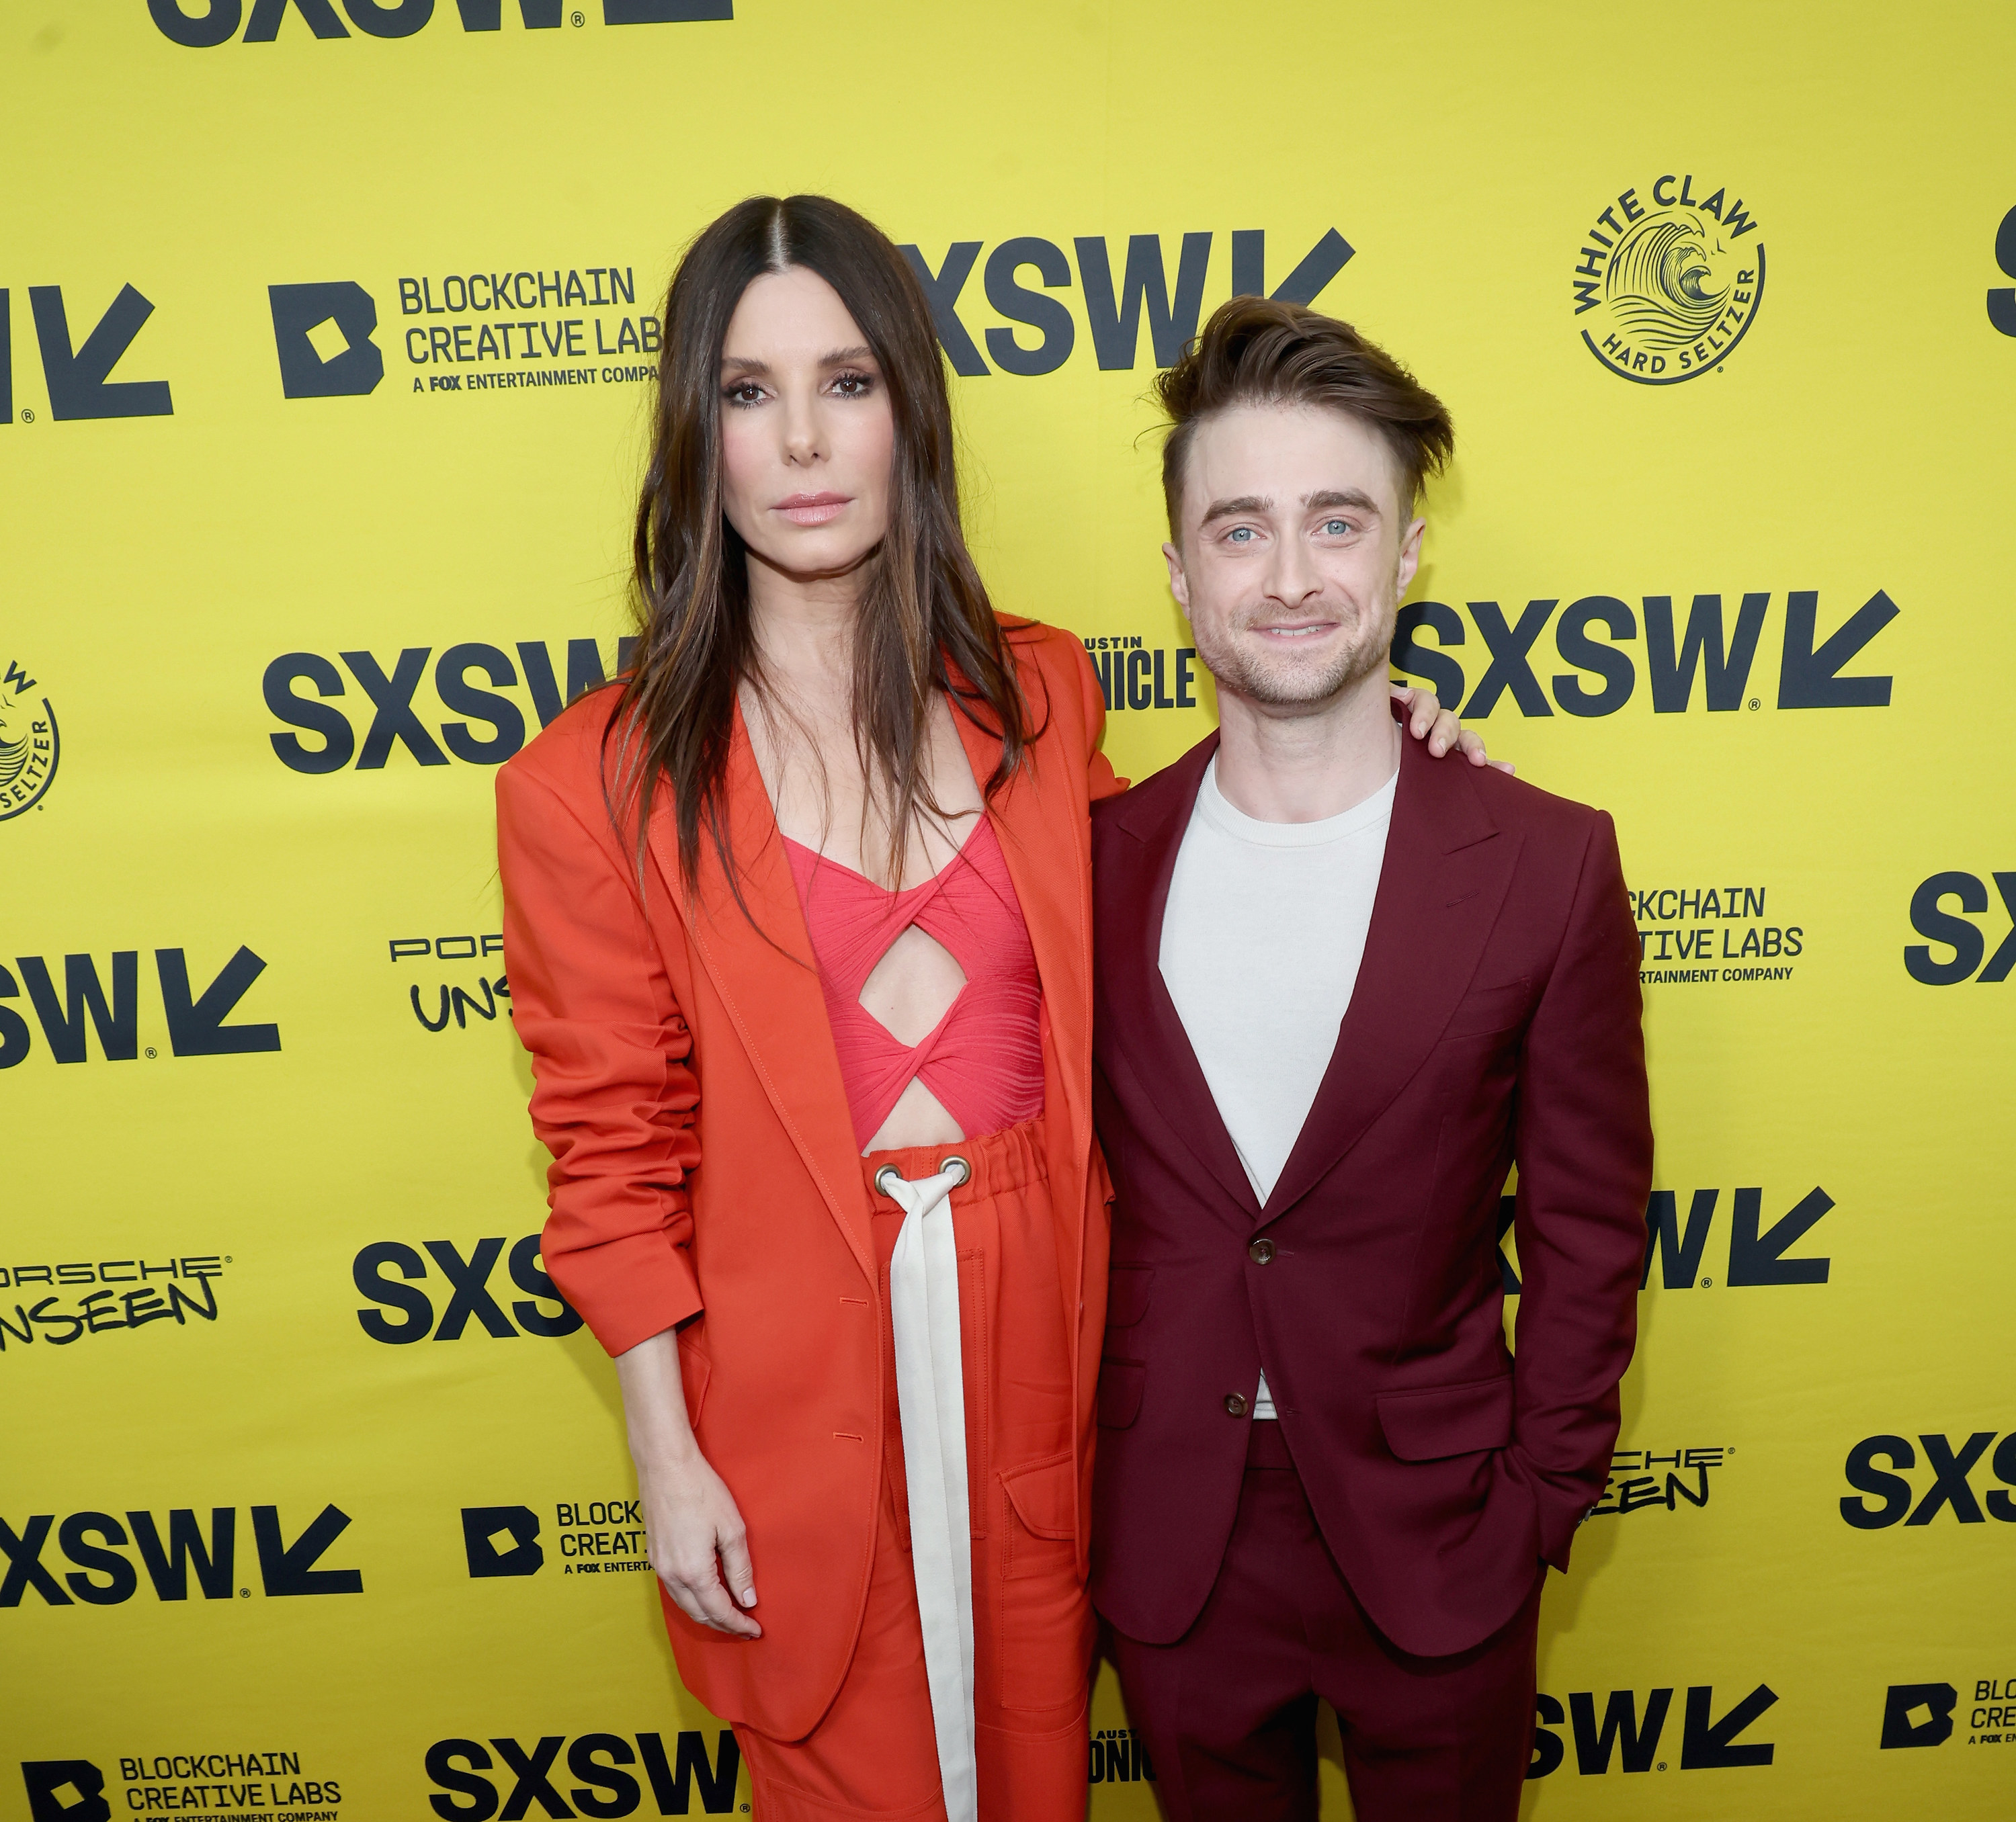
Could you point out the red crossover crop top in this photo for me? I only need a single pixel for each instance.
(983, 1059)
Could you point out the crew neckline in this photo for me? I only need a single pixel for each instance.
(1217, 808)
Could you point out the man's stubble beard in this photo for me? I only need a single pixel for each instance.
(1252, 675)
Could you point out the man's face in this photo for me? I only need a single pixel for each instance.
(1296, 549)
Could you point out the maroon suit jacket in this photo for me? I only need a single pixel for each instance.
(1496, 1020)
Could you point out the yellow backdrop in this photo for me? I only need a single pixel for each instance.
(320, 418)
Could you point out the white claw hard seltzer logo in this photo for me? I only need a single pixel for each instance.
(1668, 279)
(29, 748)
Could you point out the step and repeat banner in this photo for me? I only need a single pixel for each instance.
(325, 328)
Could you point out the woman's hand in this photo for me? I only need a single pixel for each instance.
(1427, 720)
(693, 1527)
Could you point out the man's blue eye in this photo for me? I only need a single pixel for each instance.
(1338, 527)
(1240, 532)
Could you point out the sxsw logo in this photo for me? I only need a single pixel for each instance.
(196, 1021)
(1677, 1245)
(527, 1772)
(1602, 675)
(77, 375)
(469, 1294)
(1113, 307)
(102, 1576)
(1951, 1489)
(389, 689)
(218, 23)
(1930, 918)
(1630, 1735)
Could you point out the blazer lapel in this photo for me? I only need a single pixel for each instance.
(762, 966)
(1152, 1044)
(1445, 873)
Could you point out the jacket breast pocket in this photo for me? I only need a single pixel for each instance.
(1437, 1421)
(1486, 1012)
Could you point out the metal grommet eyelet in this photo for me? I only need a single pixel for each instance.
(966, 1169)
(886, 1171)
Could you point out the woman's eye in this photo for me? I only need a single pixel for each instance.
(748, 392)
(854, 386)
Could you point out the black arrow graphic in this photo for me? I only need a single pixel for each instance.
(77, 382)
(1755, 1259)
(289, 1568)
(1706, 1745)
(1809, 679)
(197, 1028)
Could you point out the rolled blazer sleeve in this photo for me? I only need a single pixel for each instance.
(615, 1095)
(1584, 1144)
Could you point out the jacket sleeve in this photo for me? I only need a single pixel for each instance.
(1584, 1146)
(1102, 781)
(614, 1094)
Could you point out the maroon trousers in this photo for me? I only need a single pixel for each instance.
(1229, 1711)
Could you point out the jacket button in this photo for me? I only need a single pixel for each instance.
(1235, 1404)
(1260, 1252)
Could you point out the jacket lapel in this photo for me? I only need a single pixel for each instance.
(1153, 1045)
(1445, 873)
(762, 967)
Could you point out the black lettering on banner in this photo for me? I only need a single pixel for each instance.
(118, 1024)
(584, 673)
(533, 1770)
(196, 1027)
(1708, 1745)
(469, 1281)
(1680, 1254)
(392, 701)
(620, 1795)
(1315, 269)
(1861, 1474)
(1724, 679)
(169, 1569)
(488, 15)
(366, 1273)
(1949, 1485)
(1012, 299)
(451, 685)
(1755, 1259)
(1572, 641)
(1443, 674)
(942, 289)
(121, 1579)
(441, 1767)
(78, 383)
(1930, 919)
(319, 15)
(1904, 1699)
(1639, 1744)
(339, 742)
(1510, 668)
(288, 1569)
(673, 1786)
(2001, 301)
(528, 1274)
(1116, 329)
(6, 359)
(1810, 678)
(24, 1563)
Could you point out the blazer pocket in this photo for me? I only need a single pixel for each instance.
(1438, 1421)
(1127, 1292)
(1120, 1386)
(1487, 1010)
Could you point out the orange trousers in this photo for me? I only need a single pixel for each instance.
(874, 1753)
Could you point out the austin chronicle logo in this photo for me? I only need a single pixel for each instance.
(1667, 282)
(29, 748)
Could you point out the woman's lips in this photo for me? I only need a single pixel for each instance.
(812, 508)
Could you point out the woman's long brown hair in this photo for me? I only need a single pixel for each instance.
(924, 624)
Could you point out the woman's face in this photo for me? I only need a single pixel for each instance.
(806, 433)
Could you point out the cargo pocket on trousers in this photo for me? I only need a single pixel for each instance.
(1044, 1628)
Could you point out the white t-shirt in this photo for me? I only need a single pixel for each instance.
(1261, 943)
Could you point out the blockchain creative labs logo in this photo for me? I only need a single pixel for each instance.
(593, 1537)
(30, 744)
(1667, 283)
(252, 1783)
(1923, 1714)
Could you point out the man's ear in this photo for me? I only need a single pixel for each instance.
(1410, 557)
(1179, 583)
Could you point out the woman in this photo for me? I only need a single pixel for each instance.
(796, 921)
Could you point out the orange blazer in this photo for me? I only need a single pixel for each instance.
(705, 1173)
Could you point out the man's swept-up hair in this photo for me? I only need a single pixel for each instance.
(1261, 351)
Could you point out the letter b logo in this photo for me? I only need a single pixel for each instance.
(1918, 1714)
(65, 1790)
(304, 315)
(501, 1540)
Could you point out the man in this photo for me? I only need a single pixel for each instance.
(1343, 989)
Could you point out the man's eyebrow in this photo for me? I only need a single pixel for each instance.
(1353, 497)
(1231, 508)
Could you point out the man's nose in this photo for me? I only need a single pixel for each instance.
(1292, 576)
